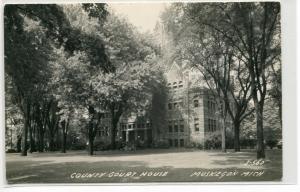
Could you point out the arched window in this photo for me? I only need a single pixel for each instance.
(175, 85)
(180, 84)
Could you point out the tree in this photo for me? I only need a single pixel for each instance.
(132, 57)
(76, 73)
(72, 79)
(25, 59)
(256, 29)
(205, 49)
(275, 90)
(253, 31)
(14, 120)
(31, 31)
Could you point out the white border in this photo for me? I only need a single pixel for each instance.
(290, 133)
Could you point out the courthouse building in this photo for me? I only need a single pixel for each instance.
(189, 114)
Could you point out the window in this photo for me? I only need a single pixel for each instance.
(133, 126)
(175, 85)
(212, 125)
(180, 104)
(148, 125)
(175, 105)
(181, 142)
(222, 107)
(139, 125)
(196, 103)
(129, 126)
(211, 106)
(106, 130)
(170, 142)
(196, 120)
(181, 126)
(124, 126)
(170, 106)
(180, 84)
(175, 127)
(175, 142)
(215, 125)
(170, 127)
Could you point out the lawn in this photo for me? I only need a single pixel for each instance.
(159, 165)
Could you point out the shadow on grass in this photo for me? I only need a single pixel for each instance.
(108, 153)
(29, 172)
(273, 158)
(23, 170)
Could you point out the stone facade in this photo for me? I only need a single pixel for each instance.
(189, 115)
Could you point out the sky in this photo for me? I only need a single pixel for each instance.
(143, 15)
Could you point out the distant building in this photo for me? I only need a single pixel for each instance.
(188, 116)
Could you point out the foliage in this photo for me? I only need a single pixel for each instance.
(32, 32)
(220, 65)
(212, 141)
(248, 31)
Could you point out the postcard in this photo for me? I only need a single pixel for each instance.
(143, 92)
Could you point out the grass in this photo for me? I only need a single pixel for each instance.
(169, 165)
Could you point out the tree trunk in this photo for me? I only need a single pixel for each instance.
(91, 146)
(91, 140)
(25, 129)
(64, 143)
(53, 119)
(116, 112)
(41, 141)
(91, 133)
(64, 126)
(31, 140)
(237, 136)
(19, 141)
(52, 134)
(113, 133)
(260, 131)
(24, 139)
(223, 135)
(280, 113)
(51, 143)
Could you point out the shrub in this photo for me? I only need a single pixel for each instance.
(271, 143)
(190, 145)
(162, 144)
(199, 146)
(79, 145)
(11, 151)
(213, 141)
(279, 144)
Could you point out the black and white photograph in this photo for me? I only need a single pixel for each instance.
(152, 92)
